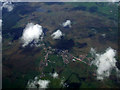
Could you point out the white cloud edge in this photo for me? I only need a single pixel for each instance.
(7, 4)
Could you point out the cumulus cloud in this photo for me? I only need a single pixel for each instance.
(43, 83)
(32, 33)
(67, 23)
(7, 4)
(38, 83)
(105, 63)
(55, 75)
(57, 35)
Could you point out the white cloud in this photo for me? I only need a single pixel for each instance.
(67, 23)
(112, 0)
(38, 82)
(104, 35)
(8, 5)
(32, 32)
(93, 52)
(43, 83)
(55, 75)
(105, 63)
(57, 35)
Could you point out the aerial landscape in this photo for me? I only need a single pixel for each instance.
(60, 45)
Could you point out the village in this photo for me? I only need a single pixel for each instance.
(66, 57)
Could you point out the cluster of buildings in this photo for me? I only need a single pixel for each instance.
(66, 56)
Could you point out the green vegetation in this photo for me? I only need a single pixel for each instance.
(55, 64)
(100, 8)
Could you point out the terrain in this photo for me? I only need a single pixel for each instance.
(94, 25)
